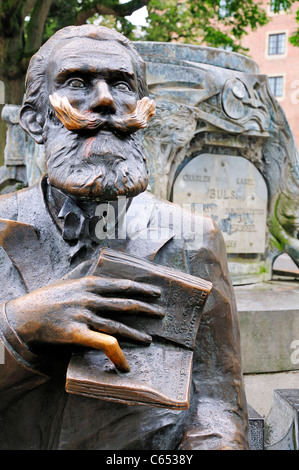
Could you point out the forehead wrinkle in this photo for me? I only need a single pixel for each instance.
(82, 68)
(89, 57)
(103, 55)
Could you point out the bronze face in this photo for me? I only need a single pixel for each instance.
(95, 76)
(73, 120)
(95, 155)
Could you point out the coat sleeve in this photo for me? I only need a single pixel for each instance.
(217, 416)
(20, 369)
(219, 419)
(18, 373)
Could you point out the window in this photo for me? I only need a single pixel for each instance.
(272, 3)
(276, 86)
(223, 12)
(277, 44)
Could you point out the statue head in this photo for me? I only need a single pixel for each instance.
(86, 99)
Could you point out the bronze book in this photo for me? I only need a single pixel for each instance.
(160, 374)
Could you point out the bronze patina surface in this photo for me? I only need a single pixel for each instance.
(50, 234)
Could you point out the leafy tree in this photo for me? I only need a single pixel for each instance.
(26, 24)
(294, 39)
(218, 23)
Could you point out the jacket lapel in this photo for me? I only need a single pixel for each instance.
(40, 254)
(21, 243)
(145, 230)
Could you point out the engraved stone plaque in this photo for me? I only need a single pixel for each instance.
(233, 192)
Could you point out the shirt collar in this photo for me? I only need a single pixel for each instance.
(78, 224)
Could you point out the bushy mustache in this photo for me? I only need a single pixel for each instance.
(100, 168)
(74, 120)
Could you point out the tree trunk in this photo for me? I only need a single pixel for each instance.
(13, 89)
(36, 25)
(12, 67)
(2, 137)
(12, 76)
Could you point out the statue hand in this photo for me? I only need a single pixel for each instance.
(69, 312)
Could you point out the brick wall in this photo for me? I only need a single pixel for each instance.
(285, 65)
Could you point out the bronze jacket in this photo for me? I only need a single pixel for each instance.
(37, 413)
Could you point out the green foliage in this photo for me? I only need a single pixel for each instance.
(26, 24)
(281, 4)
(295, 38)
(61, 14)
(122, 25)
(216, 23)
(286, 4)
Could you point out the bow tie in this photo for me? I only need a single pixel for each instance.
(79, 229)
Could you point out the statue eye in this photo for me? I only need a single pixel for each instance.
(76, 83)
(123, 86)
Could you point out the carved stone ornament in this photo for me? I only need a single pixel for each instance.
(207, 101)
(213, 101)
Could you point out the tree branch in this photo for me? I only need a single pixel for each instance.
(27, 6)
(107, 7)
(12, 14)
(126, 9)
(35, 27)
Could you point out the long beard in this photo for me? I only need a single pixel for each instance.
(98, 168)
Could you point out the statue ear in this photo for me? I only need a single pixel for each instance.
(30, 121)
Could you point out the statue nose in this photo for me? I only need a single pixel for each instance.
(102, 100)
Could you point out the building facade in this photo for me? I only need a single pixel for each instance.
(276, 57)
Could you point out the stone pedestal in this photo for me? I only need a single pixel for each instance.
(282, 424)
(269, 325)
(13, 173)
(24, 161)
(256, 430)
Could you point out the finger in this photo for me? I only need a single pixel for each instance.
(124, 306)
(108, 344)
(118, 329)
(123, 286)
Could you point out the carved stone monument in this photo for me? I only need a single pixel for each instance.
(211, 102)
(220, 141)
(233, 192)
(219, 138)
(24, 161)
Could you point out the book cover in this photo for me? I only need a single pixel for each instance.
(160, 374)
